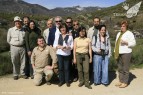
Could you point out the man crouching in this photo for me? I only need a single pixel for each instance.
(39, 61)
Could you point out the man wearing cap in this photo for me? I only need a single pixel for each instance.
(15, 37)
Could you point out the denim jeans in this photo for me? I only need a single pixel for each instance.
(100, 68)
(63, 65)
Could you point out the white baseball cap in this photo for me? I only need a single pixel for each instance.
(17, 18)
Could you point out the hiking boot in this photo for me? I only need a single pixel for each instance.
(15, 77)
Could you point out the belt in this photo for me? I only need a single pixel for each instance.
(18, 45)
(81, 53)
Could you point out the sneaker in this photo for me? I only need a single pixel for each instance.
(15, 77)
(60, 84)
(123, 85)
(48, 83)
(68, 84)
(88, 86)
(80, 84)
(24, 76)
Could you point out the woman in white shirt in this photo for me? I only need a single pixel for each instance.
(64, 44)
(125, 40)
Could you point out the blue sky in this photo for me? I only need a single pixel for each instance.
(50, 4)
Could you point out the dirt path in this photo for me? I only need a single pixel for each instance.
(8, 86)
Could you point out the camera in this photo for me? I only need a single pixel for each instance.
(102, 51)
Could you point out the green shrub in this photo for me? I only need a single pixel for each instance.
(137, 56)
(5, 65)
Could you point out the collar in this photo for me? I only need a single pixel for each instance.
(82, 38)
(15, 28)
(41, 50)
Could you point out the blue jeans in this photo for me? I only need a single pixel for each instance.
(63, 64)
(100, 68)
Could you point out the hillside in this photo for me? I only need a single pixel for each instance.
(118, 9)
(75, 10)
(22, 7)
(19, 6)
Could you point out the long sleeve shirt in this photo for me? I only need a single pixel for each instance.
(68, 44)
(31, 39)
(16, 36)
(128, 37)
(90, 33)
(40, 58)
(46, 34)
(97, 45)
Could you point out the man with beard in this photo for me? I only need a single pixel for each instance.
(94, 29)
(26, 21)
(54, 31)
(92, 32)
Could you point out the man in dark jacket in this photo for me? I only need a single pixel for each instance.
(54, 30)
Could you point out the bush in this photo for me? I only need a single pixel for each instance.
(5, 65)
(137, 56)
(3, 40)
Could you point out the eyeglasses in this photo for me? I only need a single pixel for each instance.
(58, 21)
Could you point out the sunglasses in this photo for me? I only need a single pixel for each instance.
(58, 21)
(75, 24)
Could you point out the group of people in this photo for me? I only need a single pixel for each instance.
(68, 46)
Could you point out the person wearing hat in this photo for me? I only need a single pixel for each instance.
(15, 37)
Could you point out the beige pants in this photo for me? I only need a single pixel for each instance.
(39, 75)
(18, 60)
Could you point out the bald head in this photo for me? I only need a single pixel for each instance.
(50, 23)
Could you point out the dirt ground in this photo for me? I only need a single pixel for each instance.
(8, 86)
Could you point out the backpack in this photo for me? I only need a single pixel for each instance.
(95, 34)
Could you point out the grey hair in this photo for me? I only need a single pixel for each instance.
(58, 17)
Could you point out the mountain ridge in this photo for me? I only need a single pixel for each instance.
(22, 7)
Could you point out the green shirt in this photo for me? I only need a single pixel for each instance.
(31, 39)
